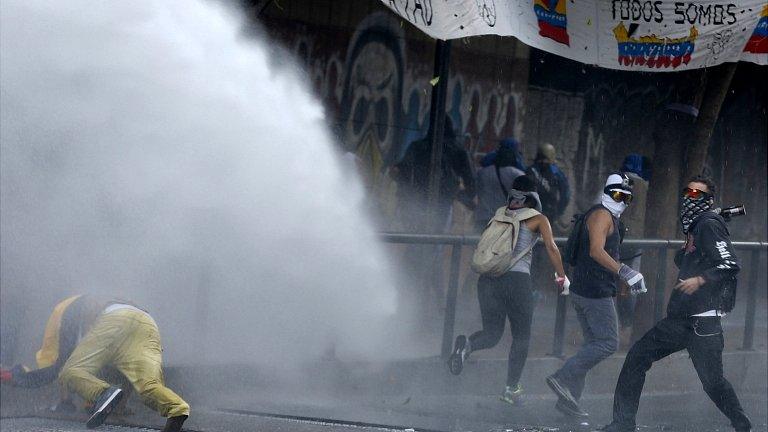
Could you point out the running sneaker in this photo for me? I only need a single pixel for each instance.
(512, 395)
(568, 410)
(562, 392)
(104, 405)
(173, 424)
(459, 354)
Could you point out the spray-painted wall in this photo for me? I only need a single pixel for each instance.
(372, 71)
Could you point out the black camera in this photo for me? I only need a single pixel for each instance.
(728, 212)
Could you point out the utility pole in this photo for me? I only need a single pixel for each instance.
(437, 128)
(718, 82)
(681, 135)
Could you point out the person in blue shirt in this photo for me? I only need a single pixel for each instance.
(507, 144)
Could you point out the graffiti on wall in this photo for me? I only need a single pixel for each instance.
(615, 123)
(377, 93)
(375, 84)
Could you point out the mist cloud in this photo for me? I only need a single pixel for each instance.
(148, 150)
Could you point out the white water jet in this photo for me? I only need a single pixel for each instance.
(149, 150)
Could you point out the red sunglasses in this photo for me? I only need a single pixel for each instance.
(694, 193)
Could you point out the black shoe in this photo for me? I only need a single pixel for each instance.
(566, 408)
(459, 354)
(173, 424)
(617, 427)
(562, 392)
(743, 426)
(104, 405)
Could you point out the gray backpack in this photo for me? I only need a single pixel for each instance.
(493, 256)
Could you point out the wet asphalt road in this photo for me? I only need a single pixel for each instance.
(483, 416)
(48, 425)
(248, 423)
(23, 411)
(259, 424)
(230, 422)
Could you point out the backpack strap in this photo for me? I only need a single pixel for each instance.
(525, 214)
(503, 188)
(523, 253)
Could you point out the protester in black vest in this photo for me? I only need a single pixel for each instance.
(593, 290)
(705, 292)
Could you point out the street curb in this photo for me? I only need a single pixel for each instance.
(430, 376)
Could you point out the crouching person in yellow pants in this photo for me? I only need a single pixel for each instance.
(126, 338)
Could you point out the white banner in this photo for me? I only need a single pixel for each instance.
(640, 35)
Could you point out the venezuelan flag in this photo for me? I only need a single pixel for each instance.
(553, 22)
(758, 42)
(652, 51)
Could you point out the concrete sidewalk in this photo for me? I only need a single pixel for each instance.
(481, 377)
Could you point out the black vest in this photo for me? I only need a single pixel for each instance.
(590, 279)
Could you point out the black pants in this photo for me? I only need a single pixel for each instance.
(703, 338)
(507, 297)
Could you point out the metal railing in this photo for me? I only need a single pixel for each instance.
(662, 246)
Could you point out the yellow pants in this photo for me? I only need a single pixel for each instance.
(129, 341)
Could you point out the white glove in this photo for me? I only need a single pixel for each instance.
(633, 278)
(563, 283)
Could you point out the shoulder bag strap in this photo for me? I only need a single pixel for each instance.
(523, 253)
(527, 215)
(503, 188)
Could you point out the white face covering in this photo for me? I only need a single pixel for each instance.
(616, 208)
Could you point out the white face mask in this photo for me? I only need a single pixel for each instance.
(616, 208)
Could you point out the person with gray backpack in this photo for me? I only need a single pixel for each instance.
(503, 259)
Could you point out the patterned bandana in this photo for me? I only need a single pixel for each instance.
(691, 208)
